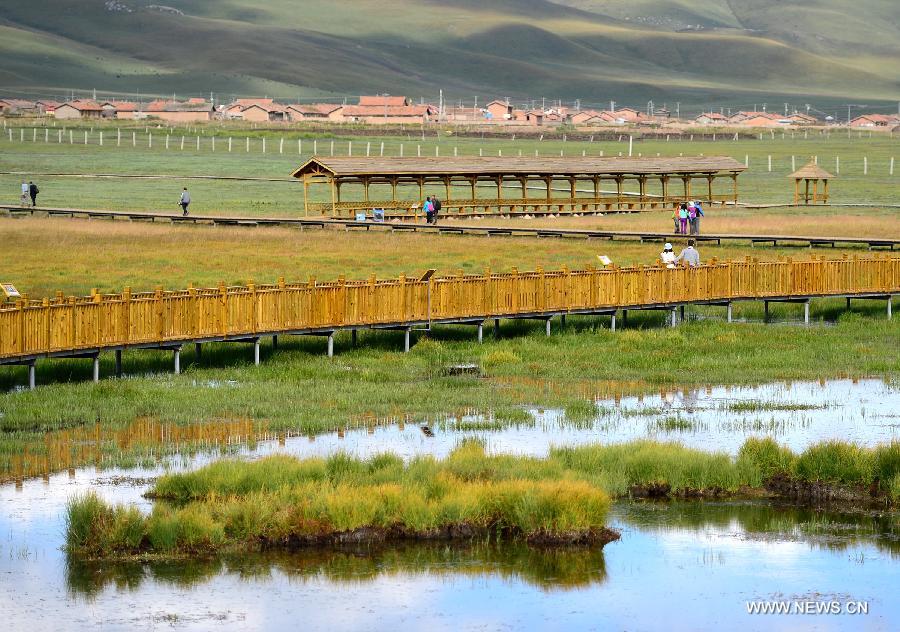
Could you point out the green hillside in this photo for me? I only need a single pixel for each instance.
(695, 51)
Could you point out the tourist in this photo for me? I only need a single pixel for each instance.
(675, 216)
(26, 191)
(428, 207)
(683, 219)
(185, 201)
(435, 208)
(668, 256)
(689, 255)
(697, 217)
(33, 193)
(692, 215)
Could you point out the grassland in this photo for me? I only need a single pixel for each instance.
(688, 51)
(287, 502)
(283, 197)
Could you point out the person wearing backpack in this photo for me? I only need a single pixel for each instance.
(692, 216)
(697, 217)
(435, 208)
(185, 201)
(33, 192)
(428, 207)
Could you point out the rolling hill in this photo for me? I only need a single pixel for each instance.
(696, 51)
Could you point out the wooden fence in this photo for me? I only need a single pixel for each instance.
(67, 325)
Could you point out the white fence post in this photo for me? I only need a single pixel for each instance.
(149, 139)
(837, 165)
(181, 147)
(134, 139)
(198, 143)
(264, 144)
(865, 165)
(770, 163)
(167, 141)
(118, 137)
(229, 144)
(891, 169)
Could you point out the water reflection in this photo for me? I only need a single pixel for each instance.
(549, 569)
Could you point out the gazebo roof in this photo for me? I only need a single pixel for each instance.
(811, 171)
(415, 166)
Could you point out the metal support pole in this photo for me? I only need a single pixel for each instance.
(496, 328)
(674, 318)
(97, 368)
(548, 326)
(31, 375)
(406, 340)
(612, 324)
(256, 352)
(480, 332)
(890, 299)
(118, 363)
(331, 344)
(806, 312)
(728, 307)
(177, 356)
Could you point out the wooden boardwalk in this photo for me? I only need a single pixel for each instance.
(453, 228)
(87, 326)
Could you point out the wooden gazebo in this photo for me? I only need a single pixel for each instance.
(564, 185)
(811, 172)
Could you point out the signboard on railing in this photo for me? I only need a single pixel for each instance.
(10, 291)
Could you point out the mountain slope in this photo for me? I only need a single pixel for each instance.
(629, 50)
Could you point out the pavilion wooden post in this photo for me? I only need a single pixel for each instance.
(664, 181)
(366, 189)
(619, 191)
(573, 192)
(825, 193)
(709, 187)
(735, 186)
(549, 181)
(306, 196)
(642, 190)
(796, 190)
(394, 190)
(473, 181)
(421, 188)
(806, 194)
(447, 188)
(333, 198)
(499, 192)
(815, 190)
(596, 180)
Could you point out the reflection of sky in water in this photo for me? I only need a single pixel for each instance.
(659, 576)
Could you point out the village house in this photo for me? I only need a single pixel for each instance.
(47, 107)
(499, 110)
(175, 111)
(586, 117)
(17, 106)
(876, 120)
(273, 112)
(711, 118)
(394, 114)
(383, 100)
(118, 109)
(78, 109)
(798, 118)
(316, 112)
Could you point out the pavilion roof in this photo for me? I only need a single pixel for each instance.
(811, 171)
(350, 166)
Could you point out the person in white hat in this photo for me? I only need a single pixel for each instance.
(668, 256)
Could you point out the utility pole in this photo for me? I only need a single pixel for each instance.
(678, 110)
(785, 109)
(612, 106)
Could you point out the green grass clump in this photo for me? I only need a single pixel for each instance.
(767, 456)
(581, 410)
(836, 462)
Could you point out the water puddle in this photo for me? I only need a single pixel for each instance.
(700, 562)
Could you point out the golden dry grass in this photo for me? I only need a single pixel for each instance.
(44, 255)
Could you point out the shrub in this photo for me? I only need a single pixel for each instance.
(836, 462)
(766, 456)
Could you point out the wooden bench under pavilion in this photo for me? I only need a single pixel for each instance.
(564, 185)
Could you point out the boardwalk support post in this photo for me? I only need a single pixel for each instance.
(96, 373)
(682, 313)
(765, 311)
(274, 342)
(496, 328)
(806, 312)
(562, 320)
(406, 339)
(31, 374)
(624, 318)
(256, 352)
(890, 299)
(176, 353)
(612, 322)
(353, 337)
(730, 315)
(331, 344)
(547, 326)
(480, 332)
(198, 350)
(118, 363)
(674, 317)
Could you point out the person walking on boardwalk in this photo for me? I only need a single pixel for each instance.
(692, 216)
(33, 193)
(435, 209)
(185, 201)
(667, 256)
(699, 213)
(675, 216)
(683, 219)
(26, 191)
(428, 207)
(689, 255)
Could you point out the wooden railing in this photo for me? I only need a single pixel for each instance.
(496, 206)
(30, 328)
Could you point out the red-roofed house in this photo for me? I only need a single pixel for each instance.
(271, 112)
(376, 114)
(78, 109)
(500, 110)
(875, 120)
(383, 100)
(711, 118)
(18, 106)
(175, 111)
(46, 106)
(316, 112)
(118, 109)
